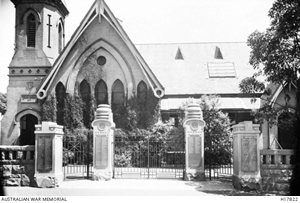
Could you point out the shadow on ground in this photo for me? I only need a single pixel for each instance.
(225, 188)
(75, 178)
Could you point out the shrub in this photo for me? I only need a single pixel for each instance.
(48, 109)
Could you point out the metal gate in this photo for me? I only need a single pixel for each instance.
(141, 157)
(77, 156)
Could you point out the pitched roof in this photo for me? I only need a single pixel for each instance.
(191, 75)
(101, 10)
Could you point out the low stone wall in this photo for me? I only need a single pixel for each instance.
(17, 165)
(276, 170)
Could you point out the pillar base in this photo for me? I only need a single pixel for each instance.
(194, 176)
(101, 176)
(45, 182)
(246, 182)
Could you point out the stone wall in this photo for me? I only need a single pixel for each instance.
(276, 170)
(17, 165)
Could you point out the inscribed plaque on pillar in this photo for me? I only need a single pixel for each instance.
(44, 150)
(249, 154)
(194, 149)
(235, 156)
(101, 152)
(197, 145)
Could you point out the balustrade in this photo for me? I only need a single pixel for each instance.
(279, 158)
(17, 154)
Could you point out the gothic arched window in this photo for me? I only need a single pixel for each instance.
(31, 30)
(142, 91)
(60, 93)
(118, 93)
(101, 93)
(85, 91)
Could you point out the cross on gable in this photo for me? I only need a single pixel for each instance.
(49, 29)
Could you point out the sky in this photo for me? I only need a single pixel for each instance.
(156, 21)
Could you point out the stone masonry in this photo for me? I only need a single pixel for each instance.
(17, 165)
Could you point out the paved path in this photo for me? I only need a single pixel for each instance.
(122, 187)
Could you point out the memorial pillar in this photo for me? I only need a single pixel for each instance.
(48, 155)
(103, 128)
(246, 156)
(194, 143)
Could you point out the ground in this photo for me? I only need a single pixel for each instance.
(135, 187)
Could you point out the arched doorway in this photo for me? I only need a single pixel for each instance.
(27, 127)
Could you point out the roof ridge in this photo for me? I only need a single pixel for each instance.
(182, 43)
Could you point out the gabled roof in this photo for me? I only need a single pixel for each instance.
(218, 53)
(101, 10)
(179, 55)
(278, 89)
(191, 75)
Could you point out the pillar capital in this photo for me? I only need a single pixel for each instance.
(245, 127)
(49, 128)
(193, 117)
(103, 114)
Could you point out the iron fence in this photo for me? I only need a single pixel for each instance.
(219, 171)
(77, 156)
(144, 158)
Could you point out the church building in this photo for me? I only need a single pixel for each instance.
(100, 59)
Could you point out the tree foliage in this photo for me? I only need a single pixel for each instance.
(48, 109)
(73, 112)
(137, 113)
(3, 104)
(131, 147)
(88, 109)
(139, 128)
(276, 55)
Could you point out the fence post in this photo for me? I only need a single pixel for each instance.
(103, 126)
(88, 156)
(48, 155)
(246, 156)
(194, 143)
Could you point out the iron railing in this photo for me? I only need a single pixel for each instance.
(77, 156)
(144, 158)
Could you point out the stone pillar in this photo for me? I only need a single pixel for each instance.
(246, 156)
(103, 127)
(48, 155)
(194, 143)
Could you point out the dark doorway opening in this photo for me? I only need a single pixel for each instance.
(27, 126)
(286, 130)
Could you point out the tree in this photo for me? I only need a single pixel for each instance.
(276, 55)
(138, 113)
